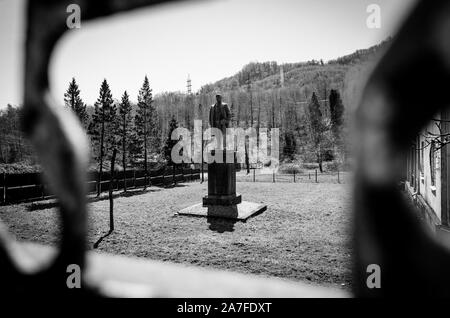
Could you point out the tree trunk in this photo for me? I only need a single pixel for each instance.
(145, 163)
(203, 177)
(247, 161)
(146, 119)
(319, 161)
(273, 113)
(102, 134)
(111, 200)
(145, 148)
(259, 121)
(251, 110)
(124, 162)
(280, 113)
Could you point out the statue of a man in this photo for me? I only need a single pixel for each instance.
(219, 115)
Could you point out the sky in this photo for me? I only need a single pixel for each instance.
(207, 39)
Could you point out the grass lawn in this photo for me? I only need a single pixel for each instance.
(303, 235)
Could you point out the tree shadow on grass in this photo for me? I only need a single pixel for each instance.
(178, 185)
(96, 244)
(35, 206)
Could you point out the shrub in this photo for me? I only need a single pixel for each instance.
(19, 167)
(310, 165)
(290, 168)
(331, 166)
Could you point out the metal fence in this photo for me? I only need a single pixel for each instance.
(19, 187)
(314, 176)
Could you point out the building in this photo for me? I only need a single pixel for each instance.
(427, 179)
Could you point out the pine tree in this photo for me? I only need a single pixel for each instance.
(134, 148)
(124, 131)
(103, 127)
(336, 112)
(73, 101)
(146, 123)
(336, 119)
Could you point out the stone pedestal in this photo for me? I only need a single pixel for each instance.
(222, 184)
(222, 200)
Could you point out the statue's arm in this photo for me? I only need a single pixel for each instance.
(211, 116)
(227, 114)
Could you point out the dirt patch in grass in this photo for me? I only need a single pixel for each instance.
(303, 235)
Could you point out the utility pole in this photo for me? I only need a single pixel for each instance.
(189, 85)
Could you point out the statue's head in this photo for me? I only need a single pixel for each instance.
(218, 98)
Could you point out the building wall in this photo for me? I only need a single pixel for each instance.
(430, 193)
(432, 200)
(426, 193)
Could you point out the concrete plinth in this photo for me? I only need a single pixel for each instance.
(240, 211)
(231, 199)
(222, 200)
(222, 181)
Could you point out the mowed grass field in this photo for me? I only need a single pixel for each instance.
(303, 235)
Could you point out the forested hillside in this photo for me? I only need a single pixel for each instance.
(259, 97)
(310, 102)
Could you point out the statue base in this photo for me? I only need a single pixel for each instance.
(240, 212)
(222, 200)
(231, 199)
(222, 180)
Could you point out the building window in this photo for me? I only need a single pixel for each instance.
(433, 163)
(422, 145)
(411, 166)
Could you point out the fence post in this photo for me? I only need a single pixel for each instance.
(201, 166)
(174, 174)
(316, 175)
(294, 175)
(309, 175)
(254, 175)
(96, 182)
(182, 174)
(203, 176)
(273, 176)
(4, 187)
(339, 181)
(150, 177)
